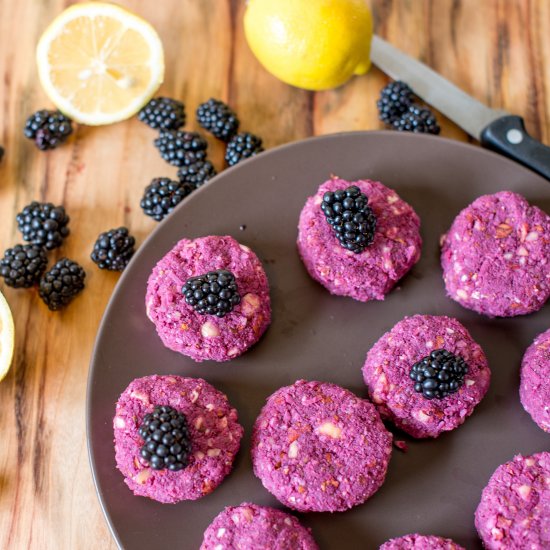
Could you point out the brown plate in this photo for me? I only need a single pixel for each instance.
(434, 488)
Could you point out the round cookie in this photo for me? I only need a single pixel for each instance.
(387, 375)
(215, 436)
(199, 336)
(256, 527)
(534, 389)
(495, 257)
(514, 512)
(420, 542)
(371, 274)
(319, 448)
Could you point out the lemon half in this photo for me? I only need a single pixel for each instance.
(6, 337)
(99, 63)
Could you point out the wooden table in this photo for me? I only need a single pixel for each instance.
(497, 50)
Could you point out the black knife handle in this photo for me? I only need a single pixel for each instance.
(507, 135)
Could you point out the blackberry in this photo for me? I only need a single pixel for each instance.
(113, 249)
(218, 118)
(438, 374)
(395, 99)
(197, 174)
(163, 113)
(351, 218)
(417, 119)
(23, 265)
(166, 439)
(61, 284)
(214, 293)
(44, 224)
(242, 146)
(181, 148)
(162, 195)
(48, 129)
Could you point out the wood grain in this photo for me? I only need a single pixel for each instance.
(497, 50)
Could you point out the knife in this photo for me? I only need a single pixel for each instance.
(495, 129)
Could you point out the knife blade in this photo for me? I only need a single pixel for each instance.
(496, 129)
(470, 114)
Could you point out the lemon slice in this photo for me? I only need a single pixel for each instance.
(6, 337)
(99, 63)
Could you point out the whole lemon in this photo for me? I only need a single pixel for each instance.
(311, 44)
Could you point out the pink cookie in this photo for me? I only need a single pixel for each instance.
(199, 336)
(514, 512)
(215, 437)
(387, 375)
(495, 256)
(251, 527)
(420, 542)
(534, 389)
(319, 448)
(371, 274)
